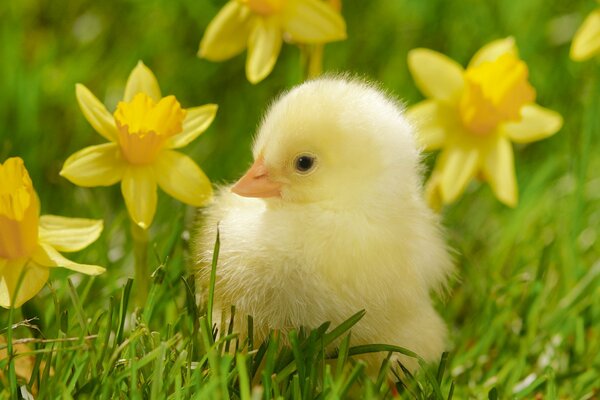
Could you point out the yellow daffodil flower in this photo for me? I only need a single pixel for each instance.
(143, 133)
(586, 42)
(30, 244)
(262, 25)
(473, 115)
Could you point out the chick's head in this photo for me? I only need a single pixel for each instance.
(332, 140)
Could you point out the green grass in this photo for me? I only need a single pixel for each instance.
(524, 314)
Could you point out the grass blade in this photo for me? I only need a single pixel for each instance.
(213, 278)
(123, 310)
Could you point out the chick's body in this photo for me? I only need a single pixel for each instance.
(330, 221)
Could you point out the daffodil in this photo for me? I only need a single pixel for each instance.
(30, 244)
(586, 42)
(143, 132)
(262, 25)
(472, 115)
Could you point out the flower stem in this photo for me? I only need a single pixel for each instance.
(142, 276)
(312, 60)
(10, 351)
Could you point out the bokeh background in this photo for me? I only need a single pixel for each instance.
(527, 294)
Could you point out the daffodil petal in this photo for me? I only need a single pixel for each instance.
(227, 34)
(493, 50)
(33, 281)
(69, 234)
(47, 256)
(96, 113)
(139, 191)
(142, 80)
(196, 121)
(429, 123)
(313, 21)
(181, 178)
(436, 75)
(536, 123)
(586, 42)
(100, 165)
(263, 49)
(458, 165)
(499, 171)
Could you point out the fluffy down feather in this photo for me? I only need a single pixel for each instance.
(300, 247)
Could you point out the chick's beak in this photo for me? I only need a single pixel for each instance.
(256, 182)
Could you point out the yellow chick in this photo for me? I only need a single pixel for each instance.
(330, 219)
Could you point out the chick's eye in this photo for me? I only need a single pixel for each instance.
(304, 163)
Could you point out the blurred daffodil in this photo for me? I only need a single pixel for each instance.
(30, 244)
(143, 133)
(262, 25)
(473, 115)
(586, 42)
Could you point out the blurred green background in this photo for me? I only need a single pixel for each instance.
(516, 266)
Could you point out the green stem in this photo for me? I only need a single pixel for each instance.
(142, 275)
(312, 60)
(12, 372)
